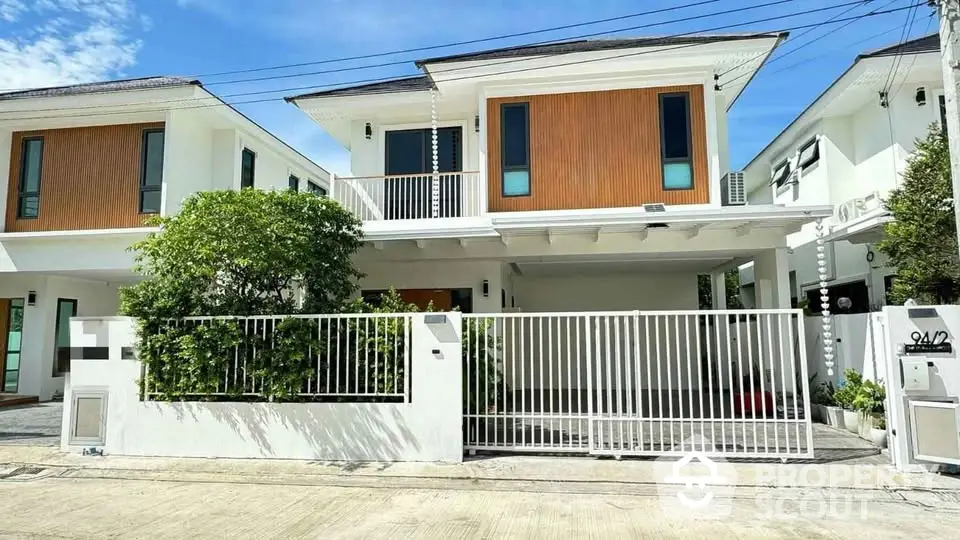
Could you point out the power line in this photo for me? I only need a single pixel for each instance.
(798, 36)
(812, 58)
(913, 60)
(535, 44)
(522, 70)
(459, 43)
(521, 59)
(493, 63)
(907, 25)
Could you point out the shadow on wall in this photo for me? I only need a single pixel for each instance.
(316, 431)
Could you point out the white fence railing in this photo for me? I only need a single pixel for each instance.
(638, 383)
(344, 358)
(415, 196)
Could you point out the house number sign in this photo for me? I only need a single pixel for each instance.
(928, 342)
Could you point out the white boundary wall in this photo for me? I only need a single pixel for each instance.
(426, 429)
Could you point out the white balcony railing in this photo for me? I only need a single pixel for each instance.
(412, 196)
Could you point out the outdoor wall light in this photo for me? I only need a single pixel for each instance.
(476, 123)
(921, 96)
(485, 288)
(368, 131)
(31, 298)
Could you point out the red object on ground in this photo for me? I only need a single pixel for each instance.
(758, 403)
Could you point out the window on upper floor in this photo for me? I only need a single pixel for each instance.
(781, 173)
(151, 171)
(809, 154)
(942, 102)
(293, 183)
(31, 168)
(316, 189)
(676, 148)
(248, 162)
(515, 152)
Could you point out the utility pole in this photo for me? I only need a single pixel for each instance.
(950, 62)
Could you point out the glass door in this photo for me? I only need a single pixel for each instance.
(11, 369)
(409, 153)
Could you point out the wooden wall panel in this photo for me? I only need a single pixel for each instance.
(597, 150)
(90, 178)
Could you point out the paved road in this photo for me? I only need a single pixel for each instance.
(101, 506)
(31, 424)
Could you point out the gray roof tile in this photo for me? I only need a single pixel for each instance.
(145, 83)
(406, 84)
(929, 43)
(592, 45)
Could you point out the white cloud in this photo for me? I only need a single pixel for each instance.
(10, 10)
(69, 41)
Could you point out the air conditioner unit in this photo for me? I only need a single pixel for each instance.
(732, 190)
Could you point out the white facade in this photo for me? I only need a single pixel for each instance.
(426, 428)
(863, 150)
(202, 151)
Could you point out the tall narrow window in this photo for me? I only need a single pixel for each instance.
(31, 167)
(247, 165)
(293, 183)
(151, 171)
(316, 189)
(66, 308)
(675, 146)
(942, 103)
(515, 152)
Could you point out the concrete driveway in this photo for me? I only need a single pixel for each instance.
(35, 425)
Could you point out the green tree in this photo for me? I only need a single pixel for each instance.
(705, 290)
(246, 252)
(921, 241)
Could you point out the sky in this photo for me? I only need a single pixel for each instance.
(56, 42)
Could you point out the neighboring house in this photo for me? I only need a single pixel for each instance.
(848, 149)
(578, 176)
(84, 166)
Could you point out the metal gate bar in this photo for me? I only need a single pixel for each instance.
(730, 383)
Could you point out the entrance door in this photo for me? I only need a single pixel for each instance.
(11, 326)
(409, 153)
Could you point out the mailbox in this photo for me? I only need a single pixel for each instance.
(916, 374)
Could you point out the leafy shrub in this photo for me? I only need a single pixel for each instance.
(870, 399)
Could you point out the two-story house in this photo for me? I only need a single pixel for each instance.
(848, 149)
(81, 168)
(584, 175)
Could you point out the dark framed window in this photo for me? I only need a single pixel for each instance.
(151, 171)
(248, 163)
(676, 146)
(942, 102)
(316, 189)
(809, 154)
(293, 183)
(31, 169)
(515, 149)
(66, 308)
(780, 174)
(856, 292)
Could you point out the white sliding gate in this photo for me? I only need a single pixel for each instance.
(638, 383)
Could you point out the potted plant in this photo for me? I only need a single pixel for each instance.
(832, 414)
(849, 388)
(870, 404)
(821, 396)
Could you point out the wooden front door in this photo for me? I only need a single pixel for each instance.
(442, 299)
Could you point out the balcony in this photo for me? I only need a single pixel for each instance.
(419, 196)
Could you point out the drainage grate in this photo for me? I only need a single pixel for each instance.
(21, 472)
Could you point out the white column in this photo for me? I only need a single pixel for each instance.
(772, 278)
(36, 342)
(6, 150)
(718, 289)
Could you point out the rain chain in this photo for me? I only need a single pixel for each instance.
(435, 182)
(824, 300)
